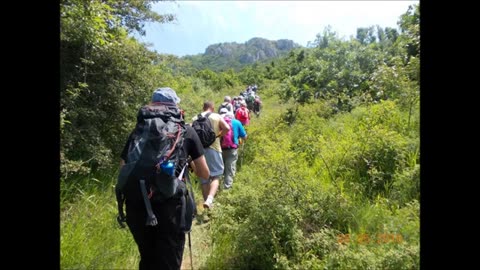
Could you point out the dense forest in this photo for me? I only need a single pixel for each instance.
(328, 179)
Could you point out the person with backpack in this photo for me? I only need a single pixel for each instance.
(213, 153)
(236, 104)
(229, 144)
(257, 105)
(227, 103)
(159, 206)
(250, 99)
(243, 114)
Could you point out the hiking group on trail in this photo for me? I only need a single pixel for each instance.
(153, 182)
(251, 99)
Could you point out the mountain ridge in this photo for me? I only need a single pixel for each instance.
(221, 56)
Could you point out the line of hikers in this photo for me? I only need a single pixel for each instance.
(222, 155)
(152, 182)
(236, 114)
(252, 99)
(242, 106)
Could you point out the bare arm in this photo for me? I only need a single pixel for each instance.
(122, 162)
(200, 167)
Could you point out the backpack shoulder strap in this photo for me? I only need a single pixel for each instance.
(208, 114)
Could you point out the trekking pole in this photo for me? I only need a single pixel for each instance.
(190, 248)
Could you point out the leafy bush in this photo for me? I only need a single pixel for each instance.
(298, 192)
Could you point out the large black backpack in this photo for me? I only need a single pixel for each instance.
(204, 129)
(156, 142)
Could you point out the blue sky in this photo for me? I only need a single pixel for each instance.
(202, 23)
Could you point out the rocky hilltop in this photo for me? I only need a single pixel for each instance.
(256, 49)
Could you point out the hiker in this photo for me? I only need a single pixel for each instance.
(229, 145)
(250, 99)
(227, 103)
(213, 154)
(161, 246)
(236, 104)
(243, 114)
(257, 105)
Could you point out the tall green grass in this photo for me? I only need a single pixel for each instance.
(90, 237)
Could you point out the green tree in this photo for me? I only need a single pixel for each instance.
(381, 34)
(391, 34)
(362, 70)
(104, 76)
(362, 34)
(251, 75)
(366, 35)
(410, 26)
(326, 38)
(135, 13)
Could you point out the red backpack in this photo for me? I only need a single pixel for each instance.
(227, 140)
(242, 114)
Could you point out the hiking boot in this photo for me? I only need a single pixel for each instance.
(208, 203)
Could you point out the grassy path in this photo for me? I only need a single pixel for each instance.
(200, 234)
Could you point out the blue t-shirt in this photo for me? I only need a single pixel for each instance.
(238, 130)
